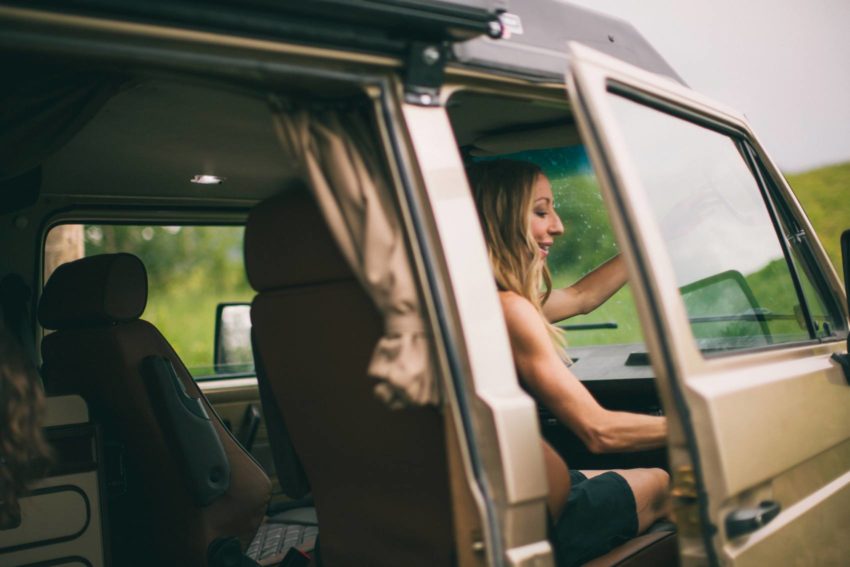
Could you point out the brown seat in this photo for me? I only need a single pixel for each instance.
(654, 549)
(379, 476)
(97, 351)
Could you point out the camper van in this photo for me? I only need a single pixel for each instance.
(239, 246)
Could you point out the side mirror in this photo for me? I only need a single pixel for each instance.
(233, 353)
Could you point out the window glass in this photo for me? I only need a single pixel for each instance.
(822, 304)
(826, 321)
(191, 270)
(732, 271)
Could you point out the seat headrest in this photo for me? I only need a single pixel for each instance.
(103, 289)
(287, 243)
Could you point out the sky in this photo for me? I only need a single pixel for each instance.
(785, 64)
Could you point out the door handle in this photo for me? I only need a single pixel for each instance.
(844, 361)
(745, 520)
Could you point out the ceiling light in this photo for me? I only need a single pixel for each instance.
(205, 179)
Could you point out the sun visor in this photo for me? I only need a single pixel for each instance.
(535, 139)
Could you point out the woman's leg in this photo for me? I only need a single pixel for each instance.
(558, 476)
(650, 489)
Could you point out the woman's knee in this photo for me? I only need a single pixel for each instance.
(649, 486)
(660, 479)
(650, 490)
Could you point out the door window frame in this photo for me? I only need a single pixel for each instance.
(688, 380)
(663, 95)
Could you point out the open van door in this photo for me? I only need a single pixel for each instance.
(741, 312)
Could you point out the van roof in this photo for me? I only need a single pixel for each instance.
(546, 26)
(532, 43)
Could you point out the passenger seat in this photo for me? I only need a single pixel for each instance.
(159, 514)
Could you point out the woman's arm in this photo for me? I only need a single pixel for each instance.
(588, 293)
(540, 368)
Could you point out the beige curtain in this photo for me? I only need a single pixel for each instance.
(341, 163)
(42, 108)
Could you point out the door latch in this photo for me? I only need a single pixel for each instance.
(745, 520)
(844, 360)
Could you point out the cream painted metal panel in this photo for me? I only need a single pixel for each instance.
(61, 519)
(62, 524)
(49, 514)
(752, 419)
(65, 410)
(508, 435)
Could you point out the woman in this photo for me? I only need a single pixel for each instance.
(604, 508)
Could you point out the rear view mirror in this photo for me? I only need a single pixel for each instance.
(233, 352)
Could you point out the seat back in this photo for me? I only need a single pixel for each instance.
(379, 476)
(97, 351)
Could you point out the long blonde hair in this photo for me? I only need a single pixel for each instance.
(504, 194)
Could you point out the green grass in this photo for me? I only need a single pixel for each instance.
(825, 196)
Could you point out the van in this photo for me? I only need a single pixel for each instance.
(152, 151)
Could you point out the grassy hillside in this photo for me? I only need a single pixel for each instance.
(825, 195)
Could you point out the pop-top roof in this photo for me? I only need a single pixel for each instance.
(533, 34)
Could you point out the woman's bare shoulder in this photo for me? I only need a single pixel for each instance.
(513, 304)
(522, 318)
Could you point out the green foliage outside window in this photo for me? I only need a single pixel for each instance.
(191, 269)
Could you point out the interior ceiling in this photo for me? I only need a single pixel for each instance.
(149, 140)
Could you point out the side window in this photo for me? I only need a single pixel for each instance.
(735, 274)
(193, 271)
